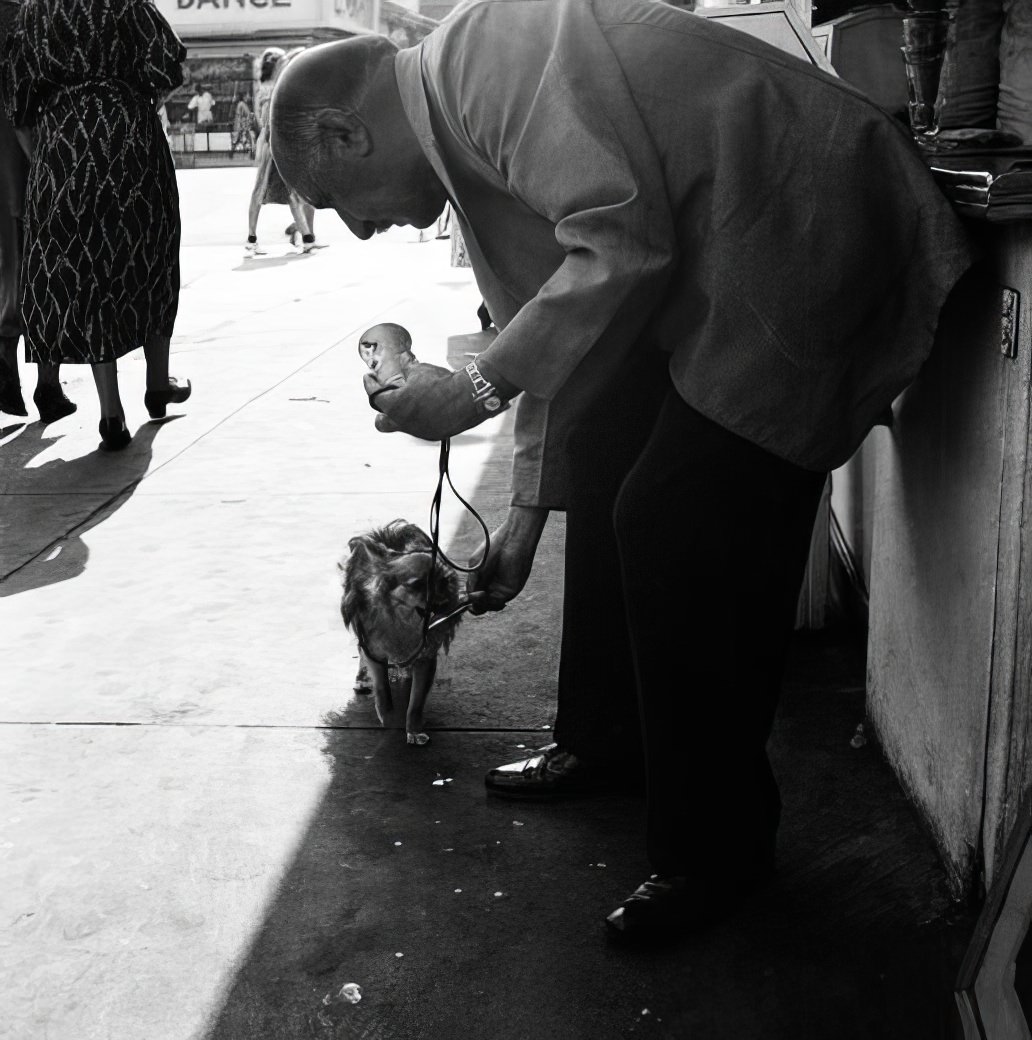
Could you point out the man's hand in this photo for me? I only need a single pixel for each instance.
(433, 402)
(430, 402)
(508, 564)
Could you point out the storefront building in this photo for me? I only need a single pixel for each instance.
(224, 39)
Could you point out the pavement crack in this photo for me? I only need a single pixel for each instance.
(144, 724)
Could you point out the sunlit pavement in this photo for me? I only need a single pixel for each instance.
(205, 835)
(171, 637)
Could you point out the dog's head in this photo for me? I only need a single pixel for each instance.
(384, 572)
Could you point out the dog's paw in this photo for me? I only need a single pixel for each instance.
(418, 739)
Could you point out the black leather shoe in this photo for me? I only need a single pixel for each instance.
(549, 773)
(114, 435)
(669, 905)
(51, 403)
(156, 401)
(11, 400)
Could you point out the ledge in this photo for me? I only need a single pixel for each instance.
(991, 184)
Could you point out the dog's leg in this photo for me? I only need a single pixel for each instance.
(363, 684)
(381, 688)
(423, 673)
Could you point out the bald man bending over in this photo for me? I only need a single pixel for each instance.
(713, 267)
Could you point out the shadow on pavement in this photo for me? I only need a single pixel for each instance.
(462, 915)
(259, 263)
(29, 489)
(465, 916)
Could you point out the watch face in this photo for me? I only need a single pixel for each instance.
(492, 404)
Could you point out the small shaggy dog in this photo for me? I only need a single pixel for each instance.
(385, 602)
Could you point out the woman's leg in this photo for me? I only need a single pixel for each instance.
(162, 390)
(49, 398)
(105, 375)
(261, 182)
(48, 375)
(297, 211)
(155, 350)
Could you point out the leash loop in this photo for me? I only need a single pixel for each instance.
(437, 553)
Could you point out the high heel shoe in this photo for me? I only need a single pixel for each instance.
(51, 403)
(11, 400)
(114, 436)
(156, 401)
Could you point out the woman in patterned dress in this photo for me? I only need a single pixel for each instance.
(100, 274)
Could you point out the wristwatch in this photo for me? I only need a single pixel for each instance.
(485, 394)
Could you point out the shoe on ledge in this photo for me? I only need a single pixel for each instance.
(552, 773)
(156, 401)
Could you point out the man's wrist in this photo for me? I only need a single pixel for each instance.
(484, 393)
(526, 523)
(505, 390)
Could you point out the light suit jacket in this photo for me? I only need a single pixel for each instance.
(630, 176)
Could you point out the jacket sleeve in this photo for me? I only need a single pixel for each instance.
(575, 151)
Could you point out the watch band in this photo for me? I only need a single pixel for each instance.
(484, 392)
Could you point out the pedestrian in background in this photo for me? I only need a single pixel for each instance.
(202, 104)
(243, 138)
(268, 185)
(48, 396)
(100, 275)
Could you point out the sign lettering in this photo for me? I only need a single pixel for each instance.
(223, 5)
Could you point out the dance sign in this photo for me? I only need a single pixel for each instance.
(224, 5)
(213, 18)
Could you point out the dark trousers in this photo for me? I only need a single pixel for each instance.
(686, 548)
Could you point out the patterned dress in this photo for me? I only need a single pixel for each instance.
(100, 273)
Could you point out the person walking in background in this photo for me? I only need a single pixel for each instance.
(202, 104)
(243, 137)
(48, 396)
(292, 231)
(268, 185)
(100, 275)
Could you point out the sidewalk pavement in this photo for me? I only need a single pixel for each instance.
(205, 835)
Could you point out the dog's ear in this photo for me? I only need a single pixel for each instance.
(364, 542)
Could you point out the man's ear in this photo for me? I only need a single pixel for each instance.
(346, 128)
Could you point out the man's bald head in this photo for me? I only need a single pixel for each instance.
(315, 88)
(341, 138)
(333, 75)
